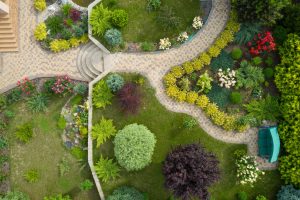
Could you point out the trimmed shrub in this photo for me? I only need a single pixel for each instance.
(219, 95)
(119, 18)
(40, 32)
(115, 82)
(288, 192)
(106, 169)
(223, 61)
(100, 20)
(129, 98)
(103, 131)
(134, 147)
(80, 88)
(113, 37)
(37, 103)
(40, 5)
(269, 73)
(189, 171)
(126, 193)
(102, 95)
(236, 53)
(24, 132)
(236, 97)
(242, 196)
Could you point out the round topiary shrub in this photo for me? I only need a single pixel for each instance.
(189, 171)
(288, 192)
(126, 193)
(236, 97)
(113, 37)
(134, 146)
(115, 82)
(268, 72)
(119, 18)
(80, 88)
(236, 53)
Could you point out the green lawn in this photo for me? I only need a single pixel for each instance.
(142, 25)
(167, 126)
(43, 152)
(83, 3)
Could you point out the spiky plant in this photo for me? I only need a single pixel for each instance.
(106, 169)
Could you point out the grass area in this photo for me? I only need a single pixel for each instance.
(167, 126)
(44, 152)
(83, 3)
(143, 26)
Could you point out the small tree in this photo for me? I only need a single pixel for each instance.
(134, 146)
(189, 170)
(129, 98)
(103, 130)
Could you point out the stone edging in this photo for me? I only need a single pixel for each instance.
(77, 7)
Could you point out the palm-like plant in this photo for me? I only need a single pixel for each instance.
(106, 169)
(38, 103)
(100, 20)
(103, 130)
(249, 76)
(247, 33)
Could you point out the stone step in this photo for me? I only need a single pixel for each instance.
(6, 30)
(8, 49)
(8, 40)
(5, 26)
(5, 21)
(8, 45)
(90, 61)
(6, 36)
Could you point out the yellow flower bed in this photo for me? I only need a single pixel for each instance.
(218, 117)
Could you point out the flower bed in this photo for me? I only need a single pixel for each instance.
(66, 29)
(139, 27)
(229, 86)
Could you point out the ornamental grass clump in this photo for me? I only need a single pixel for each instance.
(189, 171)
(134, 146)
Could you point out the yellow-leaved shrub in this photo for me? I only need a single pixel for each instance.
(205, 58)
(59, 45)
(202, 101)
(169, 79)
(40, 32)
(40, 5)
(191, 97)
(172, 91)
(188, 67)
(214, 51)
(177, 71)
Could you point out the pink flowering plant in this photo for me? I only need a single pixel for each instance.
(62, 85)
(27, 86)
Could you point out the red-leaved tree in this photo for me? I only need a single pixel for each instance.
(129, 98)
(189, 170)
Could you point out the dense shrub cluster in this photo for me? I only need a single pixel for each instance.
(134, 147)
(189, 171)
(287, 79)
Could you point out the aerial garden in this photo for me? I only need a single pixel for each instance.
(248, 78)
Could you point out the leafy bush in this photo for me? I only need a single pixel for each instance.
(66, 8)
(119, 18)
(242, 196)
(15, 195)
(102, 95)
(264, 12)
(269, 61)
(288, 192)
(247, 33)
(62, 85)
(249, 76)
(103, 131)
(291, 19)
(14, 95)
(280, 34)
(269, 73)
(100, 20)
(168, 19)
(86, 185)
(40, 32)
(66, 34)
(32, 176)
(204, 82)
(24, 132)
(189, 122)
(64, 166)
(153, 5)
(54, 24)
(236, 53)
(40, 5)
(9, 114)
(113, 37)
(38, 103)
(74, 14)
(256, 61)
(199, 167)
(80, 88)
(134, 146)
(106, 169)
(115, 82)
(147, 46)
(58, 197)
(219, 95)
(261, 197)
(59, 45)
(126, 193)
(3, 143)
(129, 98)
(78, 153)
(48, 84)
(223, 61)
(236, 97)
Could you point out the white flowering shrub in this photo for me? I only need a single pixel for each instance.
(247, 170)
(197, 22)
(182, 37)
(164, 44)
(226, 78)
